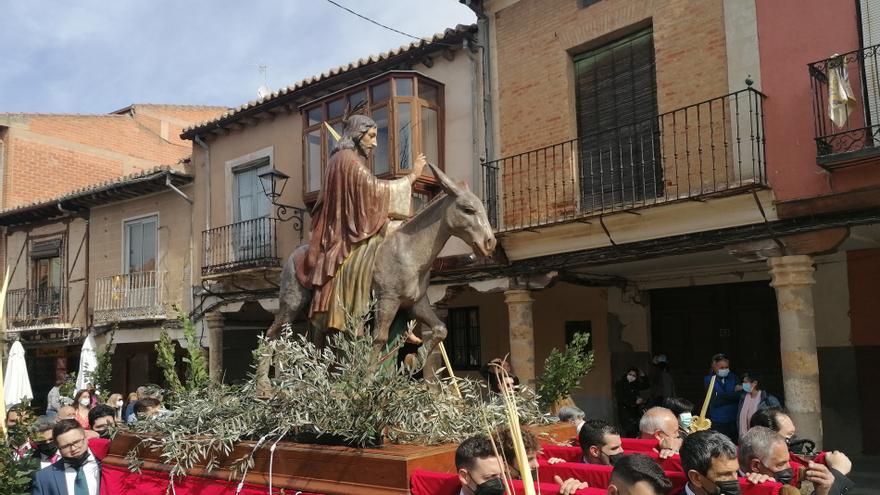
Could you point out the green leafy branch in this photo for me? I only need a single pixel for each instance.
(564, 370)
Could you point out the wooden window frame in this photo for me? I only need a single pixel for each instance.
(468, 347)
(427, 182)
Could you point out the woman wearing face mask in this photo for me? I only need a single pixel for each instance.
(683, 410)
(115, 401)
(725, 396)
(754, 399)
(82, 401)
(630, 402)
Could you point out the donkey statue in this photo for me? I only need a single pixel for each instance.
(403, 263)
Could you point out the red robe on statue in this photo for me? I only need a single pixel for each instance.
(353, 209)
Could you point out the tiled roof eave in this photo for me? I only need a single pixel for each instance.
(373, 65)
(129, 187)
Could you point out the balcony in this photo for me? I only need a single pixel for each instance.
(846, 133)
(715, 147)
(36, 307)
(129, 297)
(245, 245)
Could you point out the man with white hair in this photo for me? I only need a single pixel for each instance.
(573, 415)
(661, 424)
(762, 450)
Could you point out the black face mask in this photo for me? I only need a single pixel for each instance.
(76, 462)
(729, 487)
(104, 434)
(612, 459)
(801, 446)
(46, 449)
(492, 486)
(784, 476)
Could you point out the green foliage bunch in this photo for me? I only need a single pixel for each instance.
(347, 391)
(197, 376)
(102, 375)
(16, 473)
(68, 389)
(563, 370)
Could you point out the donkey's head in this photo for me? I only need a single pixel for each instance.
(466, 217)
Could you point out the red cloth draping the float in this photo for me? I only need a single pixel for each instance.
(432, 483)
(574, 454)
(116, 480)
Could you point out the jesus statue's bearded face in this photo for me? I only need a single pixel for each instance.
(369, 140)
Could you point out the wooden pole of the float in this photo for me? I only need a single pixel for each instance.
(449, 369)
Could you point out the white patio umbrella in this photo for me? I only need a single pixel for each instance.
(88, 361)
(16, 384)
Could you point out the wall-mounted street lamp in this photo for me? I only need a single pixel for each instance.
(273, 183)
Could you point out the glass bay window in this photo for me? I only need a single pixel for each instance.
(408, 110)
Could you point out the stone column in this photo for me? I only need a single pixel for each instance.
(214, 324)
(522, 334)
(793, 281)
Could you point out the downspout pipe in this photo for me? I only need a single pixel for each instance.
(178, 191)
(198, 140)
(201, 143)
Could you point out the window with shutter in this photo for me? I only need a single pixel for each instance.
(616, 99)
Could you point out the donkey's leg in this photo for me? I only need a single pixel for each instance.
(424, 313)
(386, 309)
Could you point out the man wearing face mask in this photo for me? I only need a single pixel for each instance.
(41, 441)
(764, 451)
(102, 418)
(479, 471)
(600, 443)
(711, 466)
(77, 472)
(661, 424)
(638, 474)
(725, 396)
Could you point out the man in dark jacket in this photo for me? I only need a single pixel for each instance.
(725, 396)
(752, 400)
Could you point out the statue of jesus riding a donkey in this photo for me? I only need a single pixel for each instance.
(360, 248)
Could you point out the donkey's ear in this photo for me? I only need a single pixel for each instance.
(446, 183)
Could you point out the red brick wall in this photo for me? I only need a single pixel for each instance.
(117, 133)
(535, 41)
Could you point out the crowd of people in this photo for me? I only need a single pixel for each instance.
(56, 443)
(752, 441)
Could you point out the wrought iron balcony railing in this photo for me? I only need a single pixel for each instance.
(32, 307)
(240, 246)
(132, 296)
(710, 148)
(845, 129)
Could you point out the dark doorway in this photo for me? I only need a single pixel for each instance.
(691, 324)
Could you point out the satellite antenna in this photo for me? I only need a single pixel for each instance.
(264, 90)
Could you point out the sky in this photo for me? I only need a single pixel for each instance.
(97, 56)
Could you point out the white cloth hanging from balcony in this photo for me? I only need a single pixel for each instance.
(16, 384)
(88, 361)
(841, 101)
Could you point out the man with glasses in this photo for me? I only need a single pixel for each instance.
(77, 472)
(661, 424)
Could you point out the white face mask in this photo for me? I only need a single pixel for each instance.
(724, 372)
(119, 403)
(685, 420)
(630, 378)
(84, 402)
